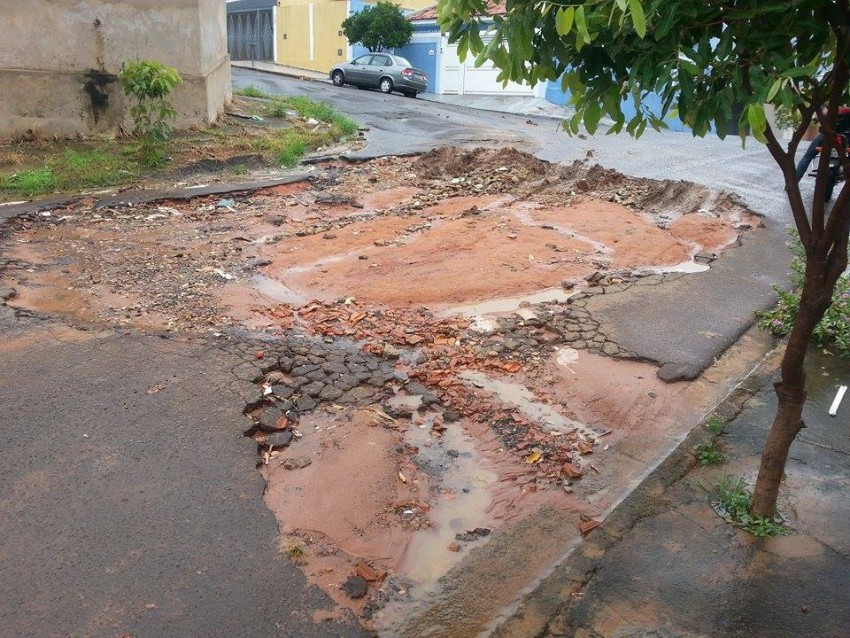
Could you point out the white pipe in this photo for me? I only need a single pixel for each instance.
(833, 409)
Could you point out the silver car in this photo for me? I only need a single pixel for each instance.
(382, 70)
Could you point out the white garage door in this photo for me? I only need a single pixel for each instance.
(463, 78)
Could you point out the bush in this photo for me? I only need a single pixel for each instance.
(151, 84)
(833, 330)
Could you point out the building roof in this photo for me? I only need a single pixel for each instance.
(250, 5)
(494, 8)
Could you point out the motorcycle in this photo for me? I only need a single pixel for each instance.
(835, 175)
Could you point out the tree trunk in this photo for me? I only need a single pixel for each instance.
(791, 390)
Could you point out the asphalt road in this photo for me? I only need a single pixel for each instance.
(130, 511)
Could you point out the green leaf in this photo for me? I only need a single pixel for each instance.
(592, 115)
(774, 89)
(638, 18)
(581, 25)
(564, 20)
(757, 121)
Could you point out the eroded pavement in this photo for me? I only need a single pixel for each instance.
(440, 410)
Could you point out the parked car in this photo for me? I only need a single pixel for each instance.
(381, 70)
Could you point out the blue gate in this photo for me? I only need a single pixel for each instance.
(423, 56)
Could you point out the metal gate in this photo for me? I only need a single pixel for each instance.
(250, 35)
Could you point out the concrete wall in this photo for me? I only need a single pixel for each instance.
(59, 61)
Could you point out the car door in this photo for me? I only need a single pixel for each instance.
(356, 73)
(377, 66)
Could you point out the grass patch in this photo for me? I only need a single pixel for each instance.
(29, 183)
(308, 109)
(252, 91)
(731, 499)
(71, 170)
(709, 453)
(37, 168)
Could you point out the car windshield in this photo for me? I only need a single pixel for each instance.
(401, 61)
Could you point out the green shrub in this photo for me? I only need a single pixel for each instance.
(151, 84)
(833, 330)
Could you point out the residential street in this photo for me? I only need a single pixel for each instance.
(385, 395)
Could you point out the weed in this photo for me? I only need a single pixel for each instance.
(732, 500)
(709, 453)
(252, 91)
(292, 153)
(716, 425)
(29, 183)
(277, 108)
(834, 327)
(294, 550)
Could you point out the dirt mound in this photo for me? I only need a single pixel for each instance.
(454, 162)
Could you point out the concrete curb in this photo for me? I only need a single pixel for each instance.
(285, 72)
(531, 617)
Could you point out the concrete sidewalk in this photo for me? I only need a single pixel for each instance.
(666, 566)
(513, 104)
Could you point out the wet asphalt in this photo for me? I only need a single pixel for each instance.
(682, 572)
(130, 511)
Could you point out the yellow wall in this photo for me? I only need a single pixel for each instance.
(329, 46)
(414, 4)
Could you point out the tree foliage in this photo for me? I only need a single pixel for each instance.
(715, 63)
(378, 27)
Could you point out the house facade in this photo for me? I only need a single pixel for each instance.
(430, 51)
(305, 34)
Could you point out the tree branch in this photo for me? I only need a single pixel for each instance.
(792, 186)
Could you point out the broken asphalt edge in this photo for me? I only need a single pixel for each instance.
(531, 614)
(141, 196)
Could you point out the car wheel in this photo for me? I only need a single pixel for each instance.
(338, 78)
(386, 85)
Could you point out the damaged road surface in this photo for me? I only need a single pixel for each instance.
(439, 405)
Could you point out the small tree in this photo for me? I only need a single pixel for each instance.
(703, 57)
(151, 84)
(378, 27)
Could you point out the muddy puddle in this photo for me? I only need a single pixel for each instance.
(438, 421)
